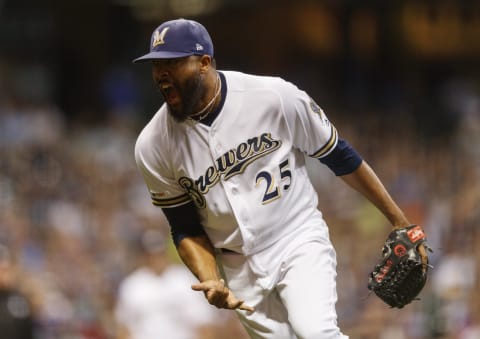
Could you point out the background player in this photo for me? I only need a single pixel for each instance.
(154, 299)
(224, 159)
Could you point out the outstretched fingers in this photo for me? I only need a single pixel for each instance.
(244, 307)
(220, 296)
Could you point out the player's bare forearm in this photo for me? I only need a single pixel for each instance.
(365, 181)
(198, 255)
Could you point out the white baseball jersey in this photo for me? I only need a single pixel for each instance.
(246, 172)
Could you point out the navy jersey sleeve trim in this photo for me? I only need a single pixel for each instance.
(184, 222)
(343, 159)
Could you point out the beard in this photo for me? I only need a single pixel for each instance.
(191, 94)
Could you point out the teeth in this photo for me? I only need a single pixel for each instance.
(165, 86)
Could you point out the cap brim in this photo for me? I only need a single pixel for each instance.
(161, 55)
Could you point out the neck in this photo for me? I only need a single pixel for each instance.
(213, 99)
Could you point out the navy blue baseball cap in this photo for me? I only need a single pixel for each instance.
(178, 38)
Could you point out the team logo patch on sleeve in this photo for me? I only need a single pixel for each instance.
(314, 108)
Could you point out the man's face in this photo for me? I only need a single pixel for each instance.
(181, 85)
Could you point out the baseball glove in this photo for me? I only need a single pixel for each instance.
(402, 273)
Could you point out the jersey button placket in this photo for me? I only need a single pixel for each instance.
(213, 141)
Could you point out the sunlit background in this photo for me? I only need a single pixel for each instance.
(399, 79)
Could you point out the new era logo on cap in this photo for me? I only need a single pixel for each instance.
(178, 38)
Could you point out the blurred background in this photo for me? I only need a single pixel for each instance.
(399, 79)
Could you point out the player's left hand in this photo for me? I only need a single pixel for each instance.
(220, 296)
(402, 272)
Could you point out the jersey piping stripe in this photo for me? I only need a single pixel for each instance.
(329, 145)
(171, 201)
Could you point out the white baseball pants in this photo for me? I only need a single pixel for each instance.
(292, 287)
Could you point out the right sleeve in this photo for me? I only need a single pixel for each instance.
(184, 222)
(160, 178)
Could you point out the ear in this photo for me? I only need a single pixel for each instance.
(205, 63)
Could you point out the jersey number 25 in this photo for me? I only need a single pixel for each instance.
(272, 191)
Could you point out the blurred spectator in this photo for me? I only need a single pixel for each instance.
(16, 317)
(156, 301)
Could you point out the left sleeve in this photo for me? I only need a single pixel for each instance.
(310, 129)
(343, 159)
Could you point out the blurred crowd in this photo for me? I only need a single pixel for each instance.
(73, 206)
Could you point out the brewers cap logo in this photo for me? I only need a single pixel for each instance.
(159, 37)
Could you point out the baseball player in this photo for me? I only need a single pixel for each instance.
(224, 157)
(152, 299)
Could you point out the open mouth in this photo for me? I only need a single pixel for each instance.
(170, 94)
